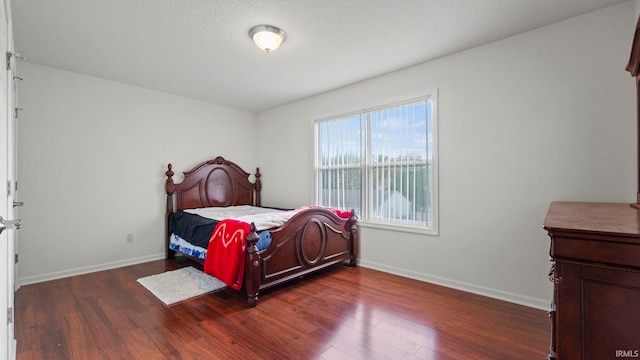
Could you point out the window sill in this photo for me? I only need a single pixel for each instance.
(400, 228)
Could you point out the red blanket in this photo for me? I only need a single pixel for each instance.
(226, 252)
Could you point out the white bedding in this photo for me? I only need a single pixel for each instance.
(263, 218)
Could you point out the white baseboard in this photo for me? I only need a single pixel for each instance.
(463, 286)
(85, 270)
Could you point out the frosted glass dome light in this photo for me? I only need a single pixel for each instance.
(267, 37)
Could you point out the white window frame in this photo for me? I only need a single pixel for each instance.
(366, 190)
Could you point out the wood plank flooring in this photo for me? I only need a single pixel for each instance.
(344, 313)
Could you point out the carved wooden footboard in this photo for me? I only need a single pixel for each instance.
(313, 239)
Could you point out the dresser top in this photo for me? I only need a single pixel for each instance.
(608, 218)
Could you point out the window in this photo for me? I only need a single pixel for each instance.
(382, 163)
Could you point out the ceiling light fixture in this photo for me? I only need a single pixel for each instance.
(267, 37)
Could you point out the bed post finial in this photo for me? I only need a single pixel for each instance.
(258, 186)
(169, 183)
(354, 237)
(170, 189)
(252, 267)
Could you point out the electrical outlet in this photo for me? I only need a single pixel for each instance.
(129, 238)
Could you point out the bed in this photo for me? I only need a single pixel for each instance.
(312, 238)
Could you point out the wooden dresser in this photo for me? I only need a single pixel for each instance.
(595, 254)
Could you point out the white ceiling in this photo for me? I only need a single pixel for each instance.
(201, 48)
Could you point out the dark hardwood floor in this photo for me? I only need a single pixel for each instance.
(344, 313)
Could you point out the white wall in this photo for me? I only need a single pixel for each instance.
(546, 115)
(92, 157)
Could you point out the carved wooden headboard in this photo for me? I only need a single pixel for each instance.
(213, 183)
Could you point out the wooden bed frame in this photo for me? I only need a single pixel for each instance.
(311, 240)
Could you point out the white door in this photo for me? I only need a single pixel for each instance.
(7, 185)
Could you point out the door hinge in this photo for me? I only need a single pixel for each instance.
(16, 258)
(9, 56)
(10, 315)
(12, 187)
